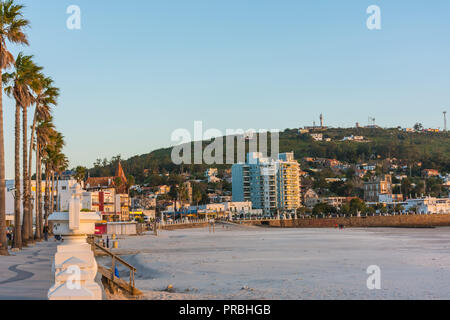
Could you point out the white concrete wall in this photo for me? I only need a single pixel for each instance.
(121, 228)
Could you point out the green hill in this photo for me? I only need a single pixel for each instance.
(432, 149)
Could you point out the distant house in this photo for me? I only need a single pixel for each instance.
(353, 138)
(317, 136)
(95, 183)
(428, 205)
(336, 201)
(302, 173)
(390, 198)
(331, 180)
(328, 163)
(227, 176)
(367, 167)
(428, 173)
(360, 172)
(160, 190)
(310, 198)
(108, 195)
(376, 187)
(211, 175)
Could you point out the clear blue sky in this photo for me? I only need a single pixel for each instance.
(138, 69)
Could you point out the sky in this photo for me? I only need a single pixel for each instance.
(138, 70)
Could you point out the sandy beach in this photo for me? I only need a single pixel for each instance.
(261, 263)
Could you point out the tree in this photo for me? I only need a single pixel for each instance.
(118, 182)
(323, 208)
(19, 86)
(399, 208)
(345, 209)
(53, 157)
(130, 181)
(357, 206)
(418, 126)
(197, 196)
(44, 131)
(80, 174)
(406, 187)
(45, 97)
(61, 163)
(12, 27)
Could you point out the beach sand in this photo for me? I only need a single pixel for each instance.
(240, 262)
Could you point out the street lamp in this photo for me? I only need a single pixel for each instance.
(13, 193)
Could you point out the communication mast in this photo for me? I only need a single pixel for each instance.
(445, 121)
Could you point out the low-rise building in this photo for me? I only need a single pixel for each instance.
(428, 205)
(376, 187)
(108, 195)
(310, 198)
(161, 190)
(353, 138)
(390, 198)
(211, 175)
(428, 173)
(336, 202)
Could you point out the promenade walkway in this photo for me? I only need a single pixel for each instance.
(27, 275)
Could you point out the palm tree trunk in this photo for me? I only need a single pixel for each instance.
(26, 195)
(30, 159)
(37, 235)
(3, 240)
(17, 243)
(57, 205)
(46, 196)
(53, 193)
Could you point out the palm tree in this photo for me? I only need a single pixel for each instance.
(58, 161)
(18, 85)
(80, 174)
(61, 163)
(50, 159)
(46, 96)
(44, 131)
(11, 29)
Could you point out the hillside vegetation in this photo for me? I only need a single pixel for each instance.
(432, 149)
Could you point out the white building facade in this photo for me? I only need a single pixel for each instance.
(428, 205)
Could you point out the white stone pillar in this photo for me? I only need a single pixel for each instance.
(74, 267)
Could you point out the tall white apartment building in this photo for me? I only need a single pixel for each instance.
(271, 185)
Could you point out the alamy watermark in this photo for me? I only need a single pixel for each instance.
(374, 20)
(222, 147)
(374, 280)
(74, 280)
(74, 20)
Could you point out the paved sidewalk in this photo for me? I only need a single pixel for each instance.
(27, 275)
